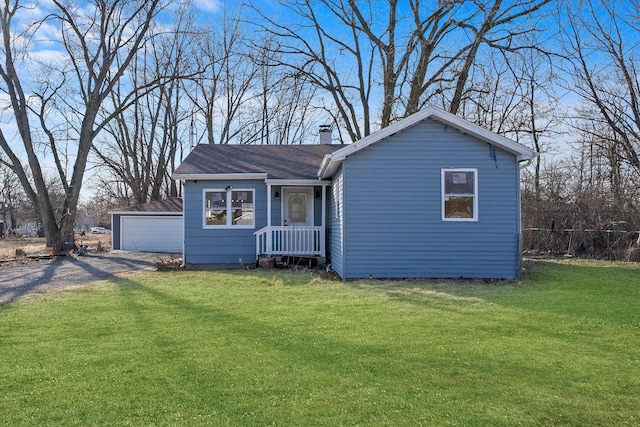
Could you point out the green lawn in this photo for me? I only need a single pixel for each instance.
(278, 348)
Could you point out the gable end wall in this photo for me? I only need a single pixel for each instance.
(393, 209)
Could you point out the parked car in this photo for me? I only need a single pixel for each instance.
(100, 230)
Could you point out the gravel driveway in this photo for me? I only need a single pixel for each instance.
(21, 281)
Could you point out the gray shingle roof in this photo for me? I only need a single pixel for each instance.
(277, 161)
(172, 204)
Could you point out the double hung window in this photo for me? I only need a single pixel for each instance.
(459, 194)
(229, 208)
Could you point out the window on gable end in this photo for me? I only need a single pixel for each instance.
(459, 194)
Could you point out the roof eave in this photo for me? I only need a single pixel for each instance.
(298, 182)
(326, 161)
(330, 169)
(520, 151)
(331, 162)
(527, 156)
(219, 176)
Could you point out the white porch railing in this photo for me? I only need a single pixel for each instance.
(290, 240)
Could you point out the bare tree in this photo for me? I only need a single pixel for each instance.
(225, 85)
(587, 203)
(99, 43)
(349, 49)
(516, 96)
(12, 199)
(318, 51)
(281, 111)
(140, 146)
(502, 25)
(541, 119)
(609, 86)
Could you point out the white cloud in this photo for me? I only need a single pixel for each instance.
(50, 56)
(212, 6)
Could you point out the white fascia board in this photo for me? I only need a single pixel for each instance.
(138, 213)
(464, 126)
(328, 167)
(298, 182)
(331, 162)
(220, 176)
(326, 160)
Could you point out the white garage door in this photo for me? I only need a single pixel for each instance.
(151, 234)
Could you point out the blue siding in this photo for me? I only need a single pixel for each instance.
(317, 206)
(335, 223)
(276, 206)
(229, 245)
(220, 246)
(392, 219)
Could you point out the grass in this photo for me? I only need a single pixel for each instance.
(274, 348)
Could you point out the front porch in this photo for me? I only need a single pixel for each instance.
(291, 240)
(296, 219)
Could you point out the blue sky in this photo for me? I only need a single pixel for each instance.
(46, 48)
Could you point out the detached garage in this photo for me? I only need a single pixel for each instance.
(149, 227)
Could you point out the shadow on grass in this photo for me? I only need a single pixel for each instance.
(63, 273)
(307, 349)
(588, 289)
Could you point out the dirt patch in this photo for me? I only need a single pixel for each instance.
(28, 250)
(169, 264)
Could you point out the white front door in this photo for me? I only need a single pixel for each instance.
(297, 206)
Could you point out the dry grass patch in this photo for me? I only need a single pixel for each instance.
(15, 248)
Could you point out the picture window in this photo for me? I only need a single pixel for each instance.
(229, 208)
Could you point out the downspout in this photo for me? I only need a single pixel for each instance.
(521, 165)
(526, 163)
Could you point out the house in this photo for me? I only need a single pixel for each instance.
(431, 196)
(148, 227)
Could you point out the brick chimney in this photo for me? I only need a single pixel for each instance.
(325, 134)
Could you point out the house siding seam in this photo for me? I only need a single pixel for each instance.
(395, 228)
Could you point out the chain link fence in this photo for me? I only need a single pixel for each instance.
(610, 244)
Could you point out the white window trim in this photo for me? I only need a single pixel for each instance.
(475, 194)
(229, 224)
